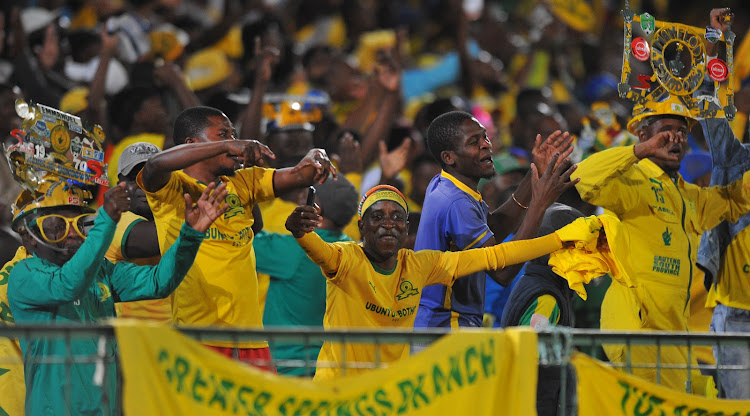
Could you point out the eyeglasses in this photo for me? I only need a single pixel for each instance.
(55, 227)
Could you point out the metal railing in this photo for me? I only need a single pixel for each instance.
(555, 347)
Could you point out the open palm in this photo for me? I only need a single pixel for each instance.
(210, 206)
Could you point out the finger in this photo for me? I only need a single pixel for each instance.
(552, 163)
(554, 138)
(266, 151)
(538, 141)
(569, 171)
(332, 170)
(534, 174)
(382, 148)
(188, 200)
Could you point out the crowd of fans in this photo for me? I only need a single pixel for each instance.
(347, 97)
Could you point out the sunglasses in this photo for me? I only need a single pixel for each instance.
(55, 227)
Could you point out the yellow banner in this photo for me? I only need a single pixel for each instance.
(602, 390)
(470, 373)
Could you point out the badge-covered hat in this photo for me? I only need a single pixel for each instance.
(669, 64)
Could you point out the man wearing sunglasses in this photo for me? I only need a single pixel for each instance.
(67, 280)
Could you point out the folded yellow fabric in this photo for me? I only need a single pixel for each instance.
(585, 262)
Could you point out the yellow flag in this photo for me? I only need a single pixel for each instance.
(470, 373)
(603, 390)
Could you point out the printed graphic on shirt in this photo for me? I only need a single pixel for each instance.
(667, 237)
(658, 188)
(104, 291)
(235, 206)
(391, 313)
(667, 265)
(239, 239)
(407, 289)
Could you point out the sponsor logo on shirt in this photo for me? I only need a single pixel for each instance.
(398, 313)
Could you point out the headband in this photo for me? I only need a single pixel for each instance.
(381, 193)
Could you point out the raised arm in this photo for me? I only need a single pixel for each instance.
(461, 263)
(68, 282)
(313, 168)
(158, 168)
(506, 217)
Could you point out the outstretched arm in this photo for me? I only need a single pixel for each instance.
(313, 168)
(159, 168)
(303, 220)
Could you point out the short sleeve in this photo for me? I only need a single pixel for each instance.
(254, 184)
(466, 225)
(170, 194)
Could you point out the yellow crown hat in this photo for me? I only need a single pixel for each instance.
(671, 105)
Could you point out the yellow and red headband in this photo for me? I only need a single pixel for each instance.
(381, 193)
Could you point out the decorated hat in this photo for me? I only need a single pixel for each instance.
(664, 65)
(53, 192)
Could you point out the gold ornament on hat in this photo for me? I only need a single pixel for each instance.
(678, 66)
(51, 141)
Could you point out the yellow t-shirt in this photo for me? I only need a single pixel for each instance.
(155, 139)
(360, 295)
(221, 289)
(732, 287)
(158, 310)
(12, 387)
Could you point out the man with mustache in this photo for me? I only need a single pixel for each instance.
(663, 217)
(379, 284)
(67, 280)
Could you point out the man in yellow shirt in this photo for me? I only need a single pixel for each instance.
(378, 284)
(221, 289)
(662, 216)
(135, 238)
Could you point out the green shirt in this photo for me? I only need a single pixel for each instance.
(296, 294)
(84, 290)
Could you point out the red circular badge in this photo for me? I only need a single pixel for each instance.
(640, 49)
(717, 69)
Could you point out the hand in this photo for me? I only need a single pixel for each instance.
(719, 19)
(545, 190)
(388, 74)
(584, 229)
(658, 146)
(252, 152)
(168, 74)
(109, 42)
(393, 162)
(116, 201)
(304, 219)
(318, 159)
(265, 59)
(557, 142)
(210, 206)
(349, 155)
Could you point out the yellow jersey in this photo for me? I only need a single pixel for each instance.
(732, 286)
(221, 289)
(361, 295)
(158, 310)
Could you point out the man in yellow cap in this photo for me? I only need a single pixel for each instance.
(663, 217)
(67, 280)
(379, 284)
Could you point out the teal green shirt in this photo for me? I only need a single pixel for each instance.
(84, 290)
(296, 293)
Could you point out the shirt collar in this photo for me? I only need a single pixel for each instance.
(652, 169)
(462, 186)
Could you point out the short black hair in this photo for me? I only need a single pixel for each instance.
(192, 121)
(443, 130)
